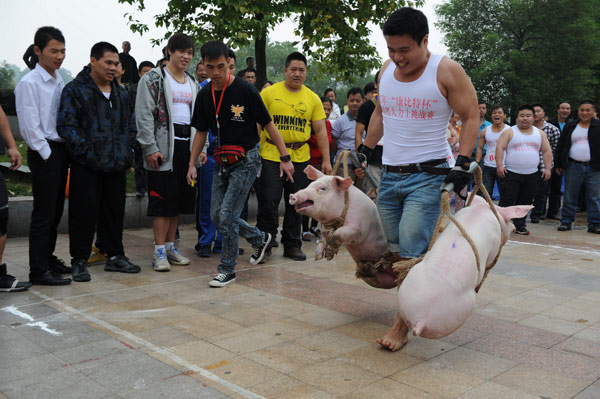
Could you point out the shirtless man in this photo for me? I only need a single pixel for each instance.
(418, 91)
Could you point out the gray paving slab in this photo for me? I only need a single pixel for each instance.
(26, 371)
(559, 277)
(181, 386)
(16, 347)
(75, 386)
(132, 373)
(591, 392)
(36, 311)
(96, 354)
(72, 332)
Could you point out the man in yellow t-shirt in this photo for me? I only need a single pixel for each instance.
(295, 110)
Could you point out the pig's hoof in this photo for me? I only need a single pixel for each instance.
(394, 340)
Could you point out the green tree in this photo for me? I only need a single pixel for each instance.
(333, 32)
(524, 51)
(7, 76)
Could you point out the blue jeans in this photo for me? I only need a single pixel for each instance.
(577, 175)
(490, 178)
(229, 192)
(207, 230)
(409, 206)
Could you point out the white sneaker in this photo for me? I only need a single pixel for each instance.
(160, 262)
(176, 258)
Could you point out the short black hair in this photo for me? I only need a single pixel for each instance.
(376, 80)
(100, 48)
(327, 90)
(295, 56)
(180, 41)
(231, 54)
(496, 106)
(45, 34)
(525, 107)
(407, 21)
(213, 50)
(590, 102)
(355, 90)
(249, 70)
(481, 102)
(144, 64)
(369, 87)
(159, 62)
(538, 105)
(249, 58)
(326, 100)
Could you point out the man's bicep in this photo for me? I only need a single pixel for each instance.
(462, 96)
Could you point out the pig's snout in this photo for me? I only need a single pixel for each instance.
(299, 201)
(293, 199)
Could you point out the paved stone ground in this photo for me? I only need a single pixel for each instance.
(301, 330)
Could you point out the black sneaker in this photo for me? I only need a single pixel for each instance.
(48, 278)
(258, 253)
(222, 279)
(535, 219)
(58, 266)
(294, 253)
(564, 227)
(121, 264)
(594, 229)
(522, 231)
(9, 283)
(80, 271)
(203, 251)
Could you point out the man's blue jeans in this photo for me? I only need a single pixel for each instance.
(577, 175)
(207, 230)
(229, 193)
(409, 206)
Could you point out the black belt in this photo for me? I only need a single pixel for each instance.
(428, 167)
(183, 131)
(294, 146)
(588, 163)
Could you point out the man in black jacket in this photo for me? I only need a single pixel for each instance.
(96, 121)
(578, 157)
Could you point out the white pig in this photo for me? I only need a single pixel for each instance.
(361, 233)
(438, 294)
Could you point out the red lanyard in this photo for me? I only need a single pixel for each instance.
(218, 107)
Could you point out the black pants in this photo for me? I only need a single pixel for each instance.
(140, 174)
(269, 188)
(48, 180)
(518, 189)
(540, 198)
(555, 194)
(95, 196)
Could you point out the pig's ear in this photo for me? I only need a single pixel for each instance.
(513, 212)
(342, 184)
(312, 173)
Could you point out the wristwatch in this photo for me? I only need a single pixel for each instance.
(285, 158)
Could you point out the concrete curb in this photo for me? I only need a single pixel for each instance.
(135, 214)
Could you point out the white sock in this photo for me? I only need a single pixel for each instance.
(169, 245)
(157, 247)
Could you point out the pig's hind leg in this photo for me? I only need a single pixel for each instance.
(396, 338)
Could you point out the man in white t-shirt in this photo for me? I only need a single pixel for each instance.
(578, 157)
(489, 137)
(517, 159)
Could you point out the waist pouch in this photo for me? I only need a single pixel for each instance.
(229, 154)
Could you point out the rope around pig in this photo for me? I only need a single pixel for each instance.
(403, 267)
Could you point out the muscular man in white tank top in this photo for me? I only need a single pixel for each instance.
(519, 166)
(490, 137)
(417, 93)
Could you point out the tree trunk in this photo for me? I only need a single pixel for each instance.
(260, 54)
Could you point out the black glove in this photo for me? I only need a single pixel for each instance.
(459, 175)
(364, 153)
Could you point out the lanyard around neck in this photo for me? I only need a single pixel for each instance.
(218, 107)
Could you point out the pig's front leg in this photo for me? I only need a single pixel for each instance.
(397, 337)
(347, 235)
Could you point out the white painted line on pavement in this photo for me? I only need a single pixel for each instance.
(40, 324)
(585, 251)
(171, 356)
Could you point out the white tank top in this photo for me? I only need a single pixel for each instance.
(415, 116)
(580, 146)
(182, 101)
(491, 139)
(523, 151)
